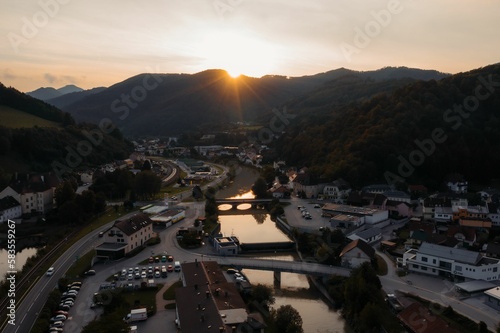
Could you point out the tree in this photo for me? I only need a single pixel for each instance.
(288, 320)
(147, 184)
(482, 327)
(263, 295)
(259, 188)
(64, 192)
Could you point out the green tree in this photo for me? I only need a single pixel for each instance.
(147, 184)
(370, 318)
(259, 188)
(263, 295)
(87, 203)
(64, 192)
(288, 320)
(68, 213)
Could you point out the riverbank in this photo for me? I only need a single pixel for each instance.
(242, 183)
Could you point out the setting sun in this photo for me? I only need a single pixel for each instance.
(238, 54)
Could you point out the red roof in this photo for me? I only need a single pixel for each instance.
(417, 318)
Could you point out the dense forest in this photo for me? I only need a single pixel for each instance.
(38, 148)
(417, 133)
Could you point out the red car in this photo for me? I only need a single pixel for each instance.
(170, 268)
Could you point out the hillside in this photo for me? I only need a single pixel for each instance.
(73, 97)
(37, 139)
(14, 118)
(175, 103)
(381, 138)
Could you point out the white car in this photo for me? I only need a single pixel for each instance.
(50, 271)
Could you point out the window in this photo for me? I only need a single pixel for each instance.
(433, 261)
(458, 268)
(424, 259)
(495, 269)
(415, 266)
(424, 268)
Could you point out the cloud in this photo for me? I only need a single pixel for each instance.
(7, 75)
(50, 78)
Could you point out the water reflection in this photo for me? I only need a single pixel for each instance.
(251, 229)
(21, 258)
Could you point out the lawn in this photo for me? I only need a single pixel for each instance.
(143, 297)
(19, 119)
(81, 265)
(169, 294)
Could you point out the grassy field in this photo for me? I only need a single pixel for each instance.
(18, 119)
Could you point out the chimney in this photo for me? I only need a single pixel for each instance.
(207, 293)
(233, 329)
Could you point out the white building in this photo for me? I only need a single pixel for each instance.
(337, 190)
(10, 209)
(125, 236)
(445, 261)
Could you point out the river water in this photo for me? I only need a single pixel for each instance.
(21, 258)
(317, 316)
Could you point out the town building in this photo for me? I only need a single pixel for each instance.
(337, 190)
(369, 236)
(356, 253)
(10, 209)
(367, 215)
(125, 236)
(493, 298)
(206, 302)
(449, 262)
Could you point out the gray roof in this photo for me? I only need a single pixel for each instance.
(459, 255)
(474, 286)
(368, 233)
(397, 194)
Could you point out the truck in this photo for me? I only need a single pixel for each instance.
(136, 315)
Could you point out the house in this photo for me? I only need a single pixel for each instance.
(443, 214)
(457, 184)
(280, 192)
(478, 223)
(343, 221)
(470, 212)
(338, 190)
(398, 208)
(416, 318)
(417, 190)
(398, 196)
(369, 236)
(356, 253)
(125, 236)
(449, 262)
(493, 298)
(378, 188)
(465, 235)
(494, 213)
(35, 192)
(493, 250)
(429, 205)
(229, 246)
(207, 302)
(10, 209)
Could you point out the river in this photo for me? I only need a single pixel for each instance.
(295, 289)
(21, 258)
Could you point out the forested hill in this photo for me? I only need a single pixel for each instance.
(17, 100)
(418, 133)
(24, 147)
(166, 104)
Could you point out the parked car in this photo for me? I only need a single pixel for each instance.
(130, 277)
(57, 324)
(151, 260)
(59, 317)
(101, 234)
(157, 274)
(170, 268)
(232, 271)
(61, 312)
(170, 258)
(144, 274)
(64, 307)
(163, 258)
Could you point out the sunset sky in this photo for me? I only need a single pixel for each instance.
(99, 43)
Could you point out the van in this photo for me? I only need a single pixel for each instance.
(177, 266)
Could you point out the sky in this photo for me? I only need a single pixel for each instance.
(99, 43)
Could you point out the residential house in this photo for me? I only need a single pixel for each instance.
(493, 250)
(125, 236)
(470, 212)
(475, 222)
(378, 188)
(416, 318)
(280, 192)
(429, 205)
(449, 262)
(465, 235)
(398, 196)
(398, 208)
(417, 190)
(338, 190)
(35, 192)
(443, 214)
(206, 302)
(356, 253)
(494, 213)
(10, 209)
(493, 298)
(369, 236)
(457, 184)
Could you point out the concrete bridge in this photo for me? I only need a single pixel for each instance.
(278, 266)
(236, 202)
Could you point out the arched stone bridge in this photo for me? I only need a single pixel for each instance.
(236, 202)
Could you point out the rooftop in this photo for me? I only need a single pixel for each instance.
(362, 245)
(459, 255)
(133, 224)
(349, 209)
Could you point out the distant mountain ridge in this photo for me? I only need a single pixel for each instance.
(157, 104)
(73, 97)
(46, 93)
